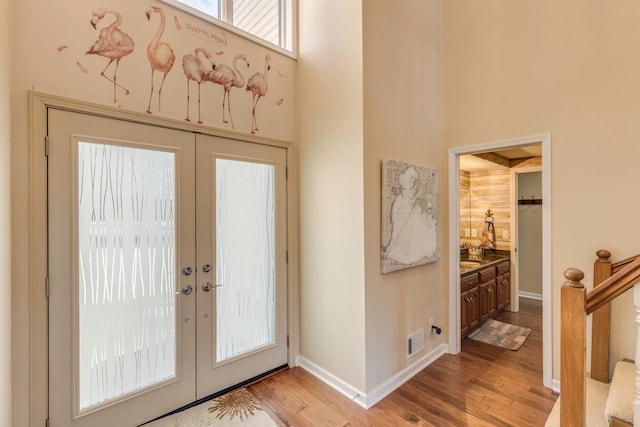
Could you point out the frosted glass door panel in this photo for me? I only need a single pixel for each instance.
(241, 257)
(121, 235)
(126, 260)
(244, 257)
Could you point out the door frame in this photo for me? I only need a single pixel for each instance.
(39, 103)
(454, 239)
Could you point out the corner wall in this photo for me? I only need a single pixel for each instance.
(330, 134)
(369, 89)
(570, 68)
(402, 121)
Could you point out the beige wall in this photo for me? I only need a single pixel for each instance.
(570, 68)
(5, 215)
(369, 89)
(48, 55)
(330, 134)
(402, 121)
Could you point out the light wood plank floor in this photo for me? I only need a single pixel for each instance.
(480, 386)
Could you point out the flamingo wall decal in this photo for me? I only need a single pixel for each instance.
(112, 43)
(228, 78)
(160, 54)
(197, 70)
(258, 85)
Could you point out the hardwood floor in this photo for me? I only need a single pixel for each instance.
(481, 386)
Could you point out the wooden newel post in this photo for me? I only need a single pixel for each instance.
(572, 349)
(601, 322)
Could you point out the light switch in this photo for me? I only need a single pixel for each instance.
(467, 232)
(474, 232)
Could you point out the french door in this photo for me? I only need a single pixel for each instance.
(167, 267)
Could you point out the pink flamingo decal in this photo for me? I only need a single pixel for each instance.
(160, 54)
(196, 70)
(112, 43)
(228, 78)
(258, 86)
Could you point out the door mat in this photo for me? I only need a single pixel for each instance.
(236, 408)
(500, 334)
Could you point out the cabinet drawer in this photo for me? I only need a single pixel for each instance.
(487, 274)
(468, 282)
(503, 267)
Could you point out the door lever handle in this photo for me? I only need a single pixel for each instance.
(209, 287)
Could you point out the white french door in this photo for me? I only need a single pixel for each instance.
(241, 241)
(166, 267)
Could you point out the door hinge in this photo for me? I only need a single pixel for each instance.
(46, 146)
(46, 287)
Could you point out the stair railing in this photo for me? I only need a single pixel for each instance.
(610, 281)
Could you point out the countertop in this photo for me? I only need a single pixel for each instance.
(473, 265)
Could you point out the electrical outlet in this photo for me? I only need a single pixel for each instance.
(474, 232)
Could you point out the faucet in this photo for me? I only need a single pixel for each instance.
(476, 252)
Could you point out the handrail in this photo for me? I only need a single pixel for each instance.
(610, 281)
(617, 284)
(617, 266)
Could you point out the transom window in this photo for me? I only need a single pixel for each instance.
(261, 20)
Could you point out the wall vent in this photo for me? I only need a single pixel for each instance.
(415, 342)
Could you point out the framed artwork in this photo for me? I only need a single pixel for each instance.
(410, 212)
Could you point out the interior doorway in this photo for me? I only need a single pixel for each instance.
(456, 233)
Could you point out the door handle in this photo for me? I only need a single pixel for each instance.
(207, 287)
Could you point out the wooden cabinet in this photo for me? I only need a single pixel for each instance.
(487, 292)
(469, 314)
(483, 294)
(503, 283)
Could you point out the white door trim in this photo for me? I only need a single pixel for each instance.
(37, 239)
(454, 239)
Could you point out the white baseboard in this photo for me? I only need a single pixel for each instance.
(387, 387)
(343, 387)
(368, 400)
(530, 295)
